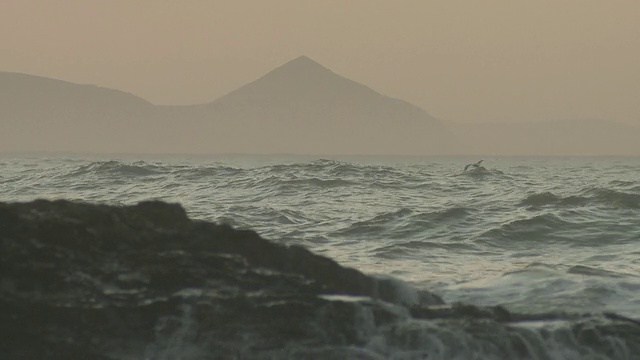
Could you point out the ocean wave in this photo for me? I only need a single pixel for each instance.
(336, 169)
(614, 198)
(315, 182)
(545, 269)
(590, 196)
(538, 222)
(320, 174)
(267, 183)
(535, 267)
(117, 168)
(404, 223)
(317, 175)
(413, 245)
(206, 172)
(320, 165)
(450, 214)
(381, 223)
(625, 184)
(548, 198)
(592, 271)
(288, 216)
(539, 228)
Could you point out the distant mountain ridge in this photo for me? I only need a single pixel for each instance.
(300, 107)
(16, 89)
(43, 114)
(320, 111)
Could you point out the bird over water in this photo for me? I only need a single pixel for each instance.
(475, 165)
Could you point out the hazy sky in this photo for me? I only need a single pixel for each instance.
(472, 60)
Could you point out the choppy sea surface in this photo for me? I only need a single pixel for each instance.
(530, 234)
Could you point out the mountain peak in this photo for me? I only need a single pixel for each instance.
(299, 79)
(300, 65)
(303, 83)
(303, 60)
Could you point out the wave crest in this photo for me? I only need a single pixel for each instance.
(547, 198)
(615, 198)
(591, 196)
(117, 168)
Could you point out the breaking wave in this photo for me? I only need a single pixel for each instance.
(591, 196)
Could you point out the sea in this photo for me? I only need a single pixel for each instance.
(531, 234)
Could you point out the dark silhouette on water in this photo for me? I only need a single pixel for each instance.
(475, 166)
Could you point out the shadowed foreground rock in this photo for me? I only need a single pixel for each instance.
(81, 281)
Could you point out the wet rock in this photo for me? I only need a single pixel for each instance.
(89, 279)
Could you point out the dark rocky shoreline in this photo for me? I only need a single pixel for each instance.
(86, 281)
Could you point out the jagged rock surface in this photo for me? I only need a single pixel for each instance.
(76, 273)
